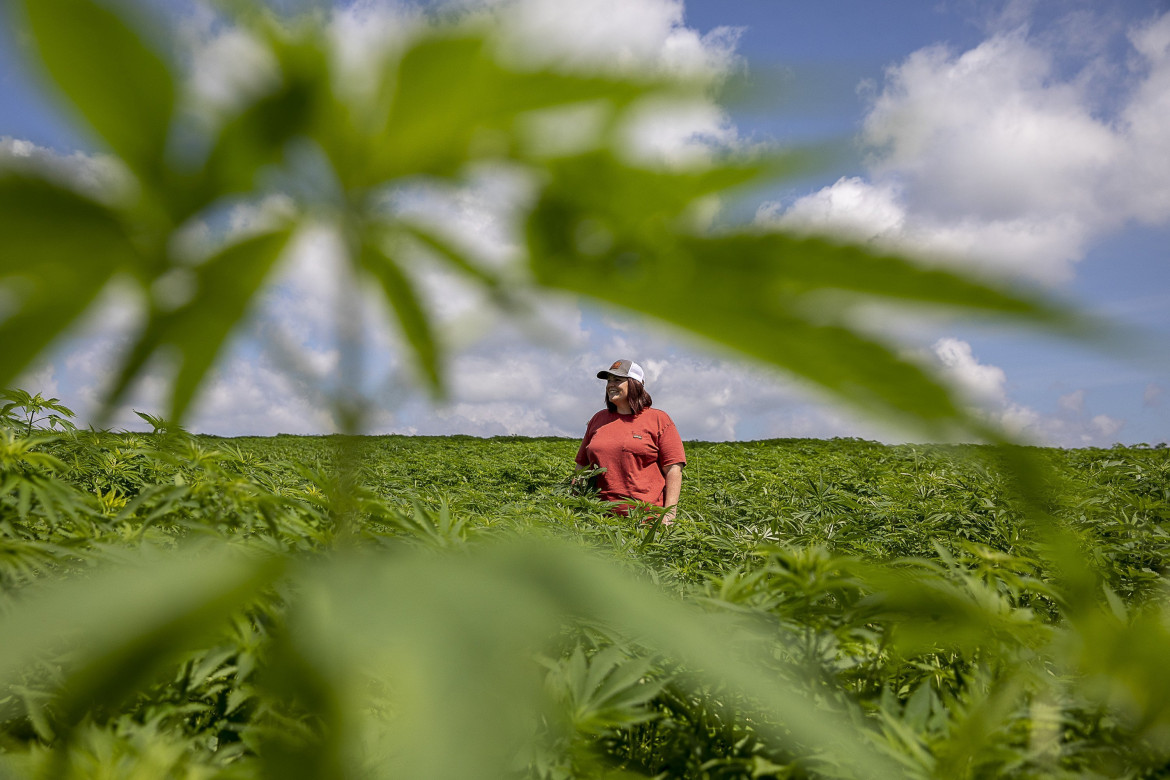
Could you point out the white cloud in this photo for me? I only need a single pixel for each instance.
(986, 388)
(99, 176)
(991, 133)
(255, 397)
(877, 214)
(246, 394)
(274, 376)
(980, 383)
(40, 379)
(996, 156)
(1152, 395)
(618, 34)
(497, 419)
(363, 35)
(710, 396)
(80, 367)
(685, 132)
(230, 67)
(1073, 402)
(1105, 426)
(1146, 188)
(527, 388)
(856, 208)
(624, 35)
(491, 357)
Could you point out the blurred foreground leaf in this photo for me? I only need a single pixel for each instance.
(119, 85)
(446, 100)
(754, 292)
(219, 291)
(118, 626)
(418, 665)
(60, 249)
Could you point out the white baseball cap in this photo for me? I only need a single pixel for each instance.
(626, 368)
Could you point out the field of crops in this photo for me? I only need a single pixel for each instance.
(442, 607)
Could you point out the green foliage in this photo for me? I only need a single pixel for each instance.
(40, 262)
(179, 606)
(757, 636)
(121, 88)
(223, 284)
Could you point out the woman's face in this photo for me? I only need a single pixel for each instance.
(617, 389)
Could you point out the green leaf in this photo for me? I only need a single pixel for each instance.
(412, 317)
(448, 252)
(224, 287)
(930, 611)
(451, 102)
(454, 637)
(620, 236)
(918, 707)
(119, 84)
(34, 406)
(1116, 605)
(442, 92)
(729, 305)
(60, 250)
(643, 202)
(256, 138)
(794, 265)
(605, 692)
(126, 620)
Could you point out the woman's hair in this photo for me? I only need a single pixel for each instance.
(636, 392)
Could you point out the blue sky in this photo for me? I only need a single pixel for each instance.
(1018, 138)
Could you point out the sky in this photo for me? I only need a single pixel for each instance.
(1021, 139)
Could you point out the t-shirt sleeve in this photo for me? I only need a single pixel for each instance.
(670, 446)
(582, 458)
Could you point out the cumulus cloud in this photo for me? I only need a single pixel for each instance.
(678, 132)
(259, 398)
(710, 396)
(981, 383)
(989, 132)
(99, 176)
(529, 389)
(40, 379)
(1152, 396)
(1143, 122)
(249, 392)
(983, 386)
(617, 34)
(1073, 402)
(998, 156)
(986, 388)
(877, 213)
(80, 367)
(1105, 426)
(630, 35)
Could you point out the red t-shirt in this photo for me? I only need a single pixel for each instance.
(634, 450)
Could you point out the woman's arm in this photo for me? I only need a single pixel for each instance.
(673, 475)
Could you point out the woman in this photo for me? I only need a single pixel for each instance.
(639, 447)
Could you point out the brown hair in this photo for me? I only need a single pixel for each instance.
(636, 393)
